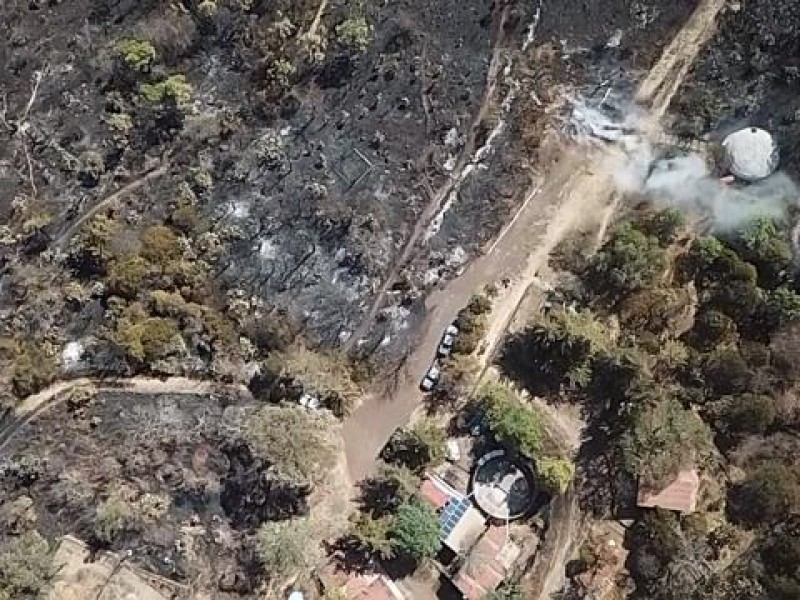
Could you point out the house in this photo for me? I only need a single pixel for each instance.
(488, 553)
(461, 524)
(487, 565)
(373, 585)
(680, 495)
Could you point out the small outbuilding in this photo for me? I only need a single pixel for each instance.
(679, 495)
(751, 154)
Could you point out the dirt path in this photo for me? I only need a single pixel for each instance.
(579, 185)
(64, 238)
(661, 84)
(58, 392)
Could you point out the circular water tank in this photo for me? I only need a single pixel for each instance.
(751, 154)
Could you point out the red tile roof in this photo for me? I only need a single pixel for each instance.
(487, 564)
(680, 495)
(434, 493)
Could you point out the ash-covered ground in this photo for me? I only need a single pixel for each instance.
(382, 170)
(749, 74)
(188, 490)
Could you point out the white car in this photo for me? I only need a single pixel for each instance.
(309, 401)
(448, 339)
(431, 379)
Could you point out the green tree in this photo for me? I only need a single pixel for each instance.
(138, 55)
(127, 274)
(471, 323)
(747, 413)
(323, 373)
(93, 247)
(34, 368)
(511, 422)
(147, 339)
(555, 473)
(664, 225)
(710, 263)
(161, 245)
(392, 485)
(354, 32)
(629, 261)
(712, 329)
(174, 89)
(663, 439)
(726, 372)
(558, 349)
(766, 246)
(418, 447)
(26, 566)
(287, 547)
(112, 518)
(415, 531)
(783, 307)
(768, 495)
(298, 442)
(780, 557)
(372, 534)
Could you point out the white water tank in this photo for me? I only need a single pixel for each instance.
(751, 154)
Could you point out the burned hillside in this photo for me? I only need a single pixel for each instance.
(180, 481)
(748, 75)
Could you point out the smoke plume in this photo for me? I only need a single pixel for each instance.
(683, 181)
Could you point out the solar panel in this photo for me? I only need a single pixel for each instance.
(451, 514)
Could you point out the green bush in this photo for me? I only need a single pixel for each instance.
(112, 518)
(415, 531)
(148, 339)
(127, 274)
(25, 566)
(555, 473)
(511, 422)
(138, 55)
(418, 447)
(287, 547)
(34, 369)
(174, 88)
(355, 33)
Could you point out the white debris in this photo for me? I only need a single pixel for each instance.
(240, 210)
(751, 154)
(268, 250)
(451, 138)
(457, 257)
(615, 40)
(71, 355)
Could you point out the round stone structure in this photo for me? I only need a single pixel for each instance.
(502, 487)
(751, 154)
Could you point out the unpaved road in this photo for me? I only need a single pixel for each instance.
(579, 185)
(60, 391)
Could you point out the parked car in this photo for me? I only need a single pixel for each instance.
(309, 401)
(431, 378)
(448, 339)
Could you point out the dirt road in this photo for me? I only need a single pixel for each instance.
(58, 392)
(579, 185)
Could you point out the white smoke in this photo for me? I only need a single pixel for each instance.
(685, 181)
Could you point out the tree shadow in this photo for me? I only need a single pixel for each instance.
(348, 555)
(518, 361)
